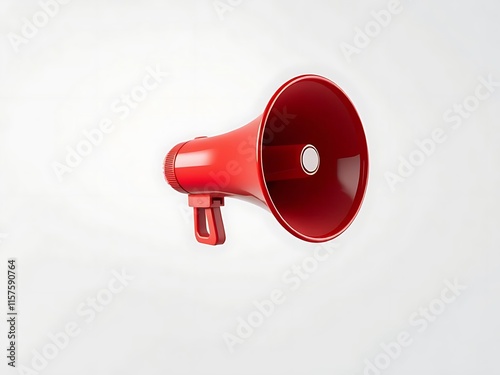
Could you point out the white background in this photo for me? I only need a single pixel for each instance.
(114, 211)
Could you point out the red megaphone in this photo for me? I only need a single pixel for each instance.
(305, 159)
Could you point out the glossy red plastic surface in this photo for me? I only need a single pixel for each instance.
(208, 225)
(260, 162)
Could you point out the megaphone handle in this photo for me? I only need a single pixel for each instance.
(207, 213)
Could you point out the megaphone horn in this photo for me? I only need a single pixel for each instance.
(305, 158)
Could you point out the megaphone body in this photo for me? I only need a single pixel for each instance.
(304, 158)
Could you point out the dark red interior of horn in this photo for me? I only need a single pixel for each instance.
(313, 110)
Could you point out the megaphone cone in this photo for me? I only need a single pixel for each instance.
(305, 158)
